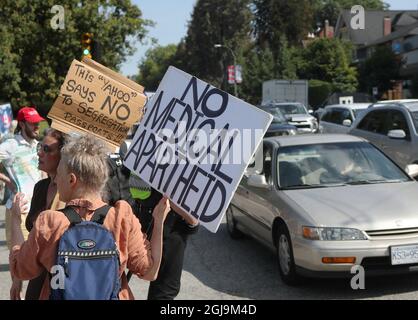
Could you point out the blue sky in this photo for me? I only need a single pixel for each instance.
(171, 18)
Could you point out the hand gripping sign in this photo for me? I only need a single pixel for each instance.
(98, 100)
(194, 144)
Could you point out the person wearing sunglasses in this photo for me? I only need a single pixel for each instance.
(44, 197)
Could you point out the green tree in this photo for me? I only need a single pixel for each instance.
(34, 58)
(380, 70)
(275, 18)
(215, 22)
(328, 60)
(153, 67)
(259, 67)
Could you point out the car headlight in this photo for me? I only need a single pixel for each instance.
(333, 234)
(292, 132)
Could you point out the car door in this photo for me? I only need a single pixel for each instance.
(256, 213)
(326, 121)
(398, 149)
(373, 127)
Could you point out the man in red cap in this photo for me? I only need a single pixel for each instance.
(18, 156)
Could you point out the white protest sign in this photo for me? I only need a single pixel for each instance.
(194, 144)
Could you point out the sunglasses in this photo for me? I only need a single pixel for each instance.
(44, 147)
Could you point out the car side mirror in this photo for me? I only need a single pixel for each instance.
(412, 170)
(258, 181)
(397, 134)
(347, 123)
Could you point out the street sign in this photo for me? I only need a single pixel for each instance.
(231, 74)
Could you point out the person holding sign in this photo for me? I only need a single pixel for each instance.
(177, 227)
(81, 176)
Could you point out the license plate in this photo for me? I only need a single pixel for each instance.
(404, 254)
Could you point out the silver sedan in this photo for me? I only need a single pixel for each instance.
(326, 203)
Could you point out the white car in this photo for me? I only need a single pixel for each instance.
(326, 203)
(392, 126)
(297, 115)
(338, 118)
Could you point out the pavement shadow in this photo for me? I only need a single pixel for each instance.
(246, 269)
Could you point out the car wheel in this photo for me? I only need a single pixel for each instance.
(231, 225)
(286, 261)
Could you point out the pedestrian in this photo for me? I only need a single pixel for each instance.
(19, 160)
(177, 228)
(81, 177)
(44, 196)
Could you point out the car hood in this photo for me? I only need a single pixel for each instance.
(365, 207)
(281, 127)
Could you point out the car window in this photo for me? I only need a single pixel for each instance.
(397, 121)
(414, 116)
(335, 163)
(375, 121)
(327, 115)
(289, 109)
(346, 115)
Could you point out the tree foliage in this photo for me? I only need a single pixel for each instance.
(328, 60)
(155, 64)
(275, 18)
(34, 58)
(215, 22)
(380, 70)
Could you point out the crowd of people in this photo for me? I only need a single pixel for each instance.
(46, 175)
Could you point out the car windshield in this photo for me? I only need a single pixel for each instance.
(335, 164)
(289, 109)
(414, 116)
(277, 115)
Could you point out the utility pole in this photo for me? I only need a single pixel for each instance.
(235, 65)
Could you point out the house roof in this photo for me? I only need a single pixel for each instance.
(374, 24)
(400, 33)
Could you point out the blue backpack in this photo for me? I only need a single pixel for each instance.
(89, 259)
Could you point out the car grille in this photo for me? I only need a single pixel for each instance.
(393, 233)
(303, 126)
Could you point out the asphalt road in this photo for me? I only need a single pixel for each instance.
(217, 267)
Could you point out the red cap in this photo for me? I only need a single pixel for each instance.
(29, 114)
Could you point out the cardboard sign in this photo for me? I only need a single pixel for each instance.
(194, 144)
(6, 117)
(98, 100)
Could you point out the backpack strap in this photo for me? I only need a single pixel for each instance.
(74, 218)
(71, 215)
(100, 214)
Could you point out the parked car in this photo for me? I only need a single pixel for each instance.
(339, 118)
(393, 128)
(325, 203)
(296, 114)
(279, 126)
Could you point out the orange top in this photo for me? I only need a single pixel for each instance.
(39, 252)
